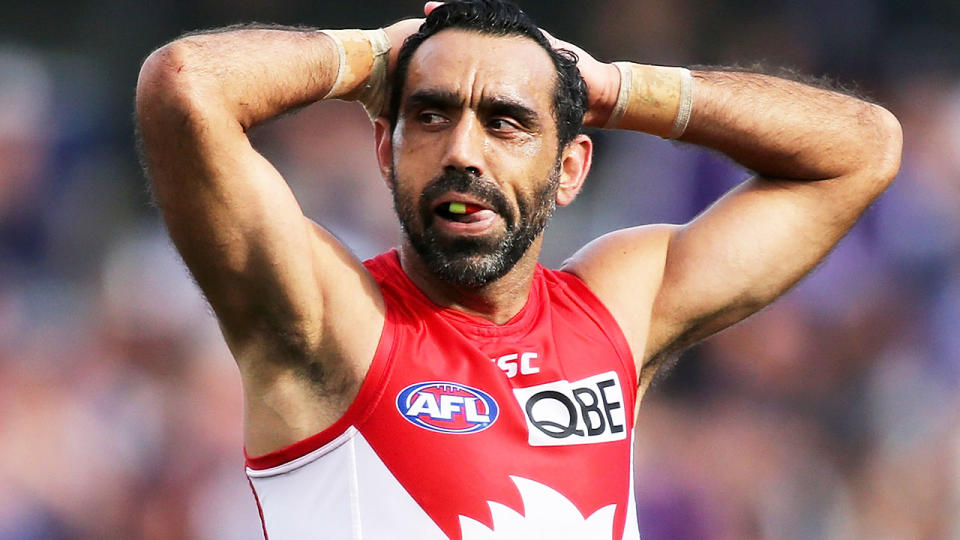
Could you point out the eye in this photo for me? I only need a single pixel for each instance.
(502, 124)
(431, 118)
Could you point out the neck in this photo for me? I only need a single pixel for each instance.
(497, 301)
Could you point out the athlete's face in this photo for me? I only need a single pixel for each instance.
(475, 164)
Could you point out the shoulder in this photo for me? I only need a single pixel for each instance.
(383, 267)
(400, 296)
(624, 269)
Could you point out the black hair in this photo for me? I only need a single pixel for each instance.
(500, 18)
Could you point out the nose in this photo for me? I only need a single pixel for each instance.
(464, 150)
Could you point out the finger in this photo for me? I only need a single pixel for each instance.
(430, 6)
(554, 42)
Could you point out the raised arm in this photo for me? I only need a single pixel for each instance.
(300, 314)
(821, 158)
(229, 212)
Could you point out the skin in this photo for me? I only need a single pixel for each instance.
(302, 316)
(519, 155)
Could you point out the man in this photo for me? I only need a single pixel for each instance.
(455, 388)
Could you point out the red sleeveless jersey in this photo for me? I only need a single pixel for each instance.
(469, 430)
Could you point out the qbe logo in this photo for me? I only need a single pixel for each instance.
(580, 412)
(447, 407)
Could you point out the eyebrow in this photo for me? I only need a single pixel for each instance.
(503, 106)
(435, 98)
(493, 106)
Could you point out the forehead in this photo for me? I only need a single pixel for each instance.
(475, 66)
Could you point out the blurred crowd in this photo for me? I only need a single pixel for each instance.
(834, 414)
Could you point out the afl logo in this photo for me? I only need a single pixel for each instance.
(447, 407)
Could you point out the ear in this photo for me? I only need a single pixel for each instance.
(574, 166)
(382, 136)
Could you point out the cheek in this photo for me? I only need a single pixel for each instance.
(405, 148)
(534, 158)
(528, 165)
(541, 190)
(401, 189)
(411, 141)
(531, 150)
(406, 197)
(538, 168)
(406, 188)
(413, 160)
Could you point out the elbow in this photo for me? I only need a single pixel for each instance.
(159, 76)
(167, 87)
(888, 148)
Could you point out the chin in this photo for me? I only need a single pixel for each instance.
(466, 269)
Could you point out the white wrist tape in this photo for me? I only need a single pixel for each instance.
(337, 88)
(623, 96)
(686, 105)
(373, 94)
(653, 99)
(376, 92)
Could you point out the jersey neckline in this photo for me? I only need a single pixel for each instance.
(522, 321)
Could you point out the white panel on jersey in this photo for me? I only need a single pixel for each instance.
(388, 512)
(290, 494)
(348, 495)
(548, 515)
(351, 495)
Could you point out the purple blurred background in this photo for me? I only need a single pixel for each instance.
(834, 414)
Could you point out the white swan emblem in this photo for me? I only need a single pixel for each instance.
(548, 515)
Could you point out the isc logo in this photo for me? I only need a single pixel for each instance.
(447, 407)
(580, 412)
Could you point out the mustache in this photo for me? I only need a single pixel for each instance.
(469, 184)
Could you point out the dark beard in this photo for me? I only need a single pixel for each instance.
(473, 262)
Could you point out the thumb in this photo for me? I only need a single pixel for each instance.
(430, 6)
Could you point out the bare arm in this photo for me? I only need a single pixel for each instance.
(300, 314)
(820, 158)
(228, 210)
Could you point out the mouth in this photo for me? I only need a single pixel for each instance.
(461, 214)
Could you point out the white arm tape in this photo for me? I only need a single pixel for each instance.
(686, 105)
